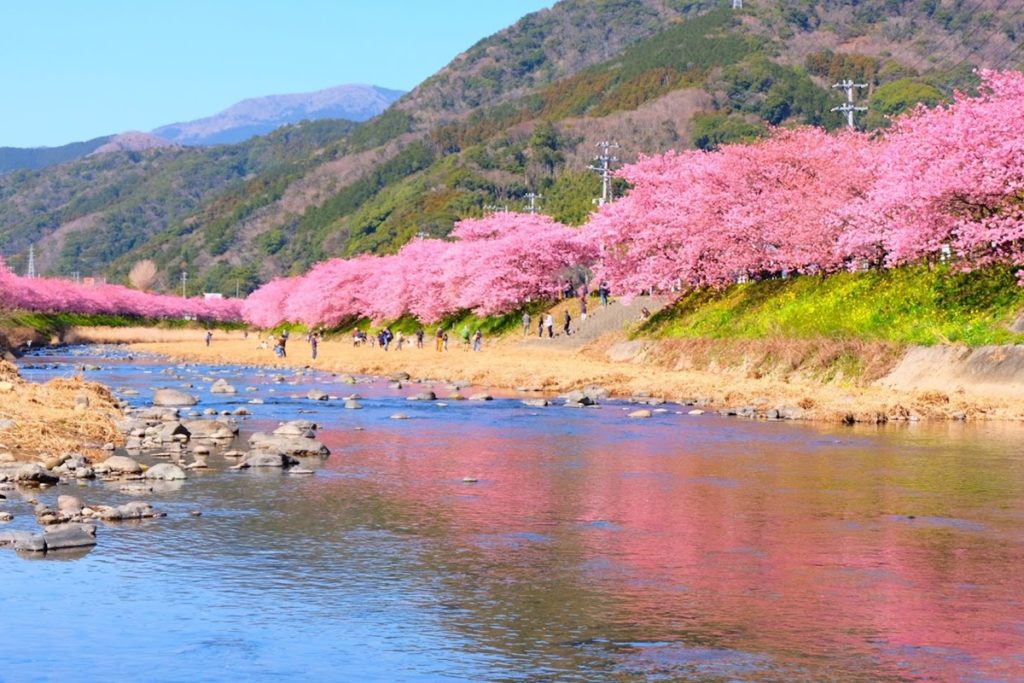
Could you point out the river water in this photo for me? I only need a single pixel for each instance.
(592, 547)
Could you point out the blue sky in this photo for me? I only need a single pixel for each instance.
(74, 69)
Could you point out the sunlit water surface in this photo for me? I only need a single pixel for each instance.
(592, 547)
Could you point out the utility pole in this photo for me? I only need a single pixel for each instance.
(31, 273)
(604, 167)
(533, 197)
(184, 280)
(847, 106)
(78, 277)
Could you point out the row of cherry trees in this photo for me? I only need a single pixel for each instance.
(944, 181)
(53, 295)
(947, 181)
(493, 265)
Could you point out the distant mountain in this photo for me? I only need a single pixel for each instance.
(261, 115)
(35, 158)
(132, 141)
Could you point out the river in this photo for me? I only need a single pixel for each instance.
(592, 547)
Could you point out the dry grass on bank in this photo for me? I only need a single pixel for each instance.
(58, 417)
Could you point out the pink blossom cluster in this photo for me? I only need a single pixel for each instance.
(493, 265)
(53, 295)
(942, 182)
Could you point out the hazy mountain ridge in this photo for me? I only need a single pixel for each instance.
(520, 111)
(260, 115)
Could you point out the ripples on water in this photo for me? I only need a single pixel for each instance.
(592, 547)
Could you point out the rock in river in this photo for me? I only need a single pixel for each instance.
(221, 386)
(295, 446)
(120, 464)
(173, 397)
(210, 429)
(266, 459)
(34, 475)
(165, 471)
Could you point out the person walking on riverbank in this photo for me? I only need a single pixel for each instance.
(603, 292)
(549, 325)
(478, 340)
(314, 342)
(419, 337)
(209, 336)
(465, 337)
(526, 324)
(439, 340)
(567, 323)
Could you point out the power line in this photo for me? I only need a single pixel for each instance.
(966, 38)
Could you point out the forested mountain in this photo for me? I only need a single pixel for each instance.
(519, 112)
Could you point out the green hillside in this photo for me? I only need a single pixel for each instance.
(518, 112)
(34, 158)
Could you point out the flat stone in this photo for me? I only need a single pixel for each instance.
(32, 543)
(121, 464)
(481, 397)
(295, 446)
(267, 459)
(422, 396)
(536, 402)
(165, 471)
(173, 397)
(640, 413)
(68, 536)
(317, 395)
(210, 429)
(352, 404)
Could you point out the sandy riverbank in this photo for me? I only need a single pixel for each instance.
(512, 364)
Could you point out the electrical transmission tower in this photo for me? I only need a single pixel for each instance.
(31, 261)
(604, 166)
(847, 107)
(533, 197)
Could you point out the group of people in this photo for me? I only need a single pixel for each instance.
(385, 337)
(546, 324)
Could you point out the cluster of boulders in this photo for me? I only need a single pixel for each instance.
(70, 525)
(284, 446)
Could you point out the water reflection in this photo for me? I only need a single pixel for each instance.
(591, 547)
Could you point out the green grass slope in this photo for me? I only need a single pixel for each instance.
(905, 306)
